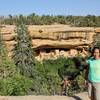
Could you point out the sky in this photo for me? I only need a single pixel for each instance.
(50, 7)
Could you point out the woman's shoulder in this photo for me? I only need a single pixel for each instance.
(90, 59)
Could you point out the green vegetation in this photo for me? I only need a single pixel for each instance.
(33, 19)
(74, 69)
(23, 75)
(53, 71)
(11, 81)
(96, 41)
(24, 59)
(23, 52)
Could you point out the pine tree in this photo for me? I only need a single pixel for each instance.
(23, 56)
(23, 52)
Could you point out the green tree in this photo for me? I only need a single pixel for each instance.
(33, 19)
(23, 52)
(69, 69)
(50, 79)
(24, 58)
(11, 82)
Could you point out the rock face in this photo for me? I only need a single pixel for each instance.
(80, 96)
(51, 41)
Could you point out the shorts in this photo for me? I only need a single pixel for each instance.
(96, 89)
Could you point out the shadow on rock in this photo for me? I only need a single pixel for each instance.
(76, 98)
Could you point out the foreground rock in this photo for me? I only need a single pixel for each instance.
(81, 96)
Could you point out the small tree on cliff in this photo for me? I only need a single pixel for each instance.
(23, 52)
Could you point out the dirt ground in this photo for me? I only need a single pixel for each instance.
(81, 96)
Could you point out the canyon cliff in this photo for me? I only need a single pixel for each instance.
(52, 41)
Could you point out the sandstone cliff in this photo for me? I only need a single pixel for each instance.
(54, 40)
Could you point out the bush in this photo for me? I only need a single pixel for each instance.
(74, 69)
(52, 71)
(50, 79)
(18, 85)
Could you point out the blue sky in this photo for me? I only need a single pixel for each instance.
(51, 7)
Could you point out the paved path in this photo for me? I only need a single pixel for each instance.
(81, 96)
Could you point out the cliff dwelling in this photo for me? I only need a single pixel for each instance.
(52, 41)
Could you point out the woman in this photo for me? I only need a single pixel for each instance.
(93, 74)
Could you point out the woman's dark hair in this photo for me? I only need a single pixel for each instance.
(95, 49)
